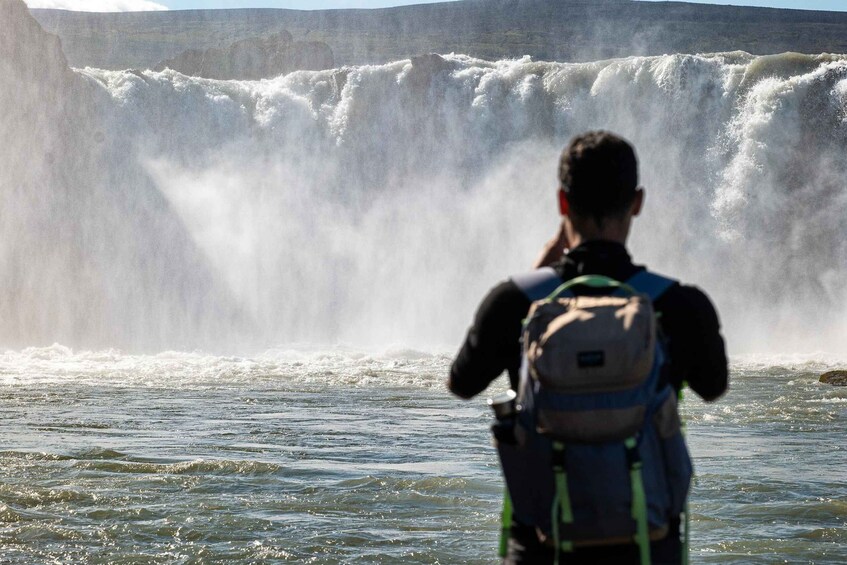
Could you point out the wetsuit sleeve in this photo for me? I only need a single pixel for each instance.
(698, 354)
(492, 344)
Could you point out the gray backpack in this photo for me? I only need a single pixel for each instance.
(598, 456)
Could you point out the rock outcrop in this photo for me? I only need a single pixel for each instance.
(425, 68)
(35, 80)
(835, 378)
(253, 59)
(87, 242)
(39, 104)
(26, 51)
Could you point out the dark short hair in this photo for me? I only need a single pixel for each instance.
(599, 173)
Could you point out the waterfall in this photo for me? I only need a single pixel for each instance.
(375, 205)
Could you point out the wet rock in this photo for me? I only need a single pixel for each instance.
(339, 81)
(75, 199)
(253, 59)
(36, 97)
(27, 52)
(835, 378)
(425, 68)
(431, 63)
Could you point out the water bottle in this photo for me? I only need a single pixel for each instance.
(505, 413)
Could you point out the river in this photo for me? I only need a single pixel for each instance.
(338, 456)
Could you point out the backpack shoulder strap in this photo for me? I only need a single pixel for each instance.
(651, 284)
(538, 284)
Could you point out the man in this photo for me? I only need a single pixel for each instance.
(598, 198)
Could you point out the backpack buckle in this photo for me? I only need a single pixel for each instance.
(557, 456)
(633, 457)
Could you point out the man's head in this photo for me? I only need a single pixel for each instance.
(598, 176)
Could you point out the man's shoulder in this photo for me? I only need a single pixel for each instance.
(689, 302)
(511, 293)
(504, 297)
(686, 295)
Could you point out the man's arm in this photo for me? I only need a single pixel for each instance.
(492, 344)
(553, 250)
(698, 354)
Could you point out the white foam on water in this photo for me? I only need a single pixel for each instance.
(299, 367)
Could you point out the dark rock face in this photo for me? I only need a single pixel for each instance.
(557, 30)
(26, 51)
(307, 56)
(253, 59)
(78, 267)
(339, 81)
(425, 68)
(35, 79)
(431, 63)
(835, 378)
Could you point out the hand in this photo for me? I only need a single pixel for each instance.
(554, 249)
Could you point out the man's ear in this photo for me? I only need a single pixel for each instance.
(638, 201)
(564, 207)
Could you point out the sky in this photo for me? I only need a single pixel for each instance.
(133, 5)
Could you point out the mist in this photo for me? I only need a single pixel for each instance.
(375, 205)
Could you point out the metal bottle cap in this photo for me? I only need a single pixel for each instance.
(503, 404)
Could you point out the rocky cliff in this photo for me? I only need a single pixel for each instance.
(552, 30)
(35, 82)
(87, 242)
(252, 59)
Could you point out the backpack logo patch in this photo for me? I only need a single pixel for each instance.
(588, 359)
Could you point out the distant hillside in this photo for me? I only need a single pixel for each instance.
(563, 30)
(252, 59)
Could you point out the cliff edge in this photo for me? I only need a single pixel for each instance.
(253, 59)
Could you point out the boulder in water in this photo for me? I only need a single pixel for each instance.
(835, 378)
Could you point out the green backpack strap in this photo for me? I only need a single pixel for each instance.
(561, 512)
(593, 281)
(639, 500)
(505, 524)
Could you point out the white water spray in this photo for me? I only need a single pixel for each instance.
(375, 205)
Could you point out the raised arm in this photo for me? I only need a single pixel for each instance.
(553, 250)
(698, 354)
(492, 344)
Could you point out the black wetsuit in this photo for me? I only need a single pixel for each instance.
(696, 349)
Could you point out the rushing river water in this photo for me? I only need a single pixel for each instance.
(340, 456)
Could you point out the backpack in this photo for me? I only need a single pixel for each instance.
(597, 456)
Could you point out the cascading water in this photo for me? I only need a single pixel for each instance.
(375, 204)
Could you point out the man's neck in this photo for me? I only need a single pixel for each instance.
(615, 233)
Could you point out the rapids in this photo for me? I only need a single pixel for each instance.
(343, 456)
